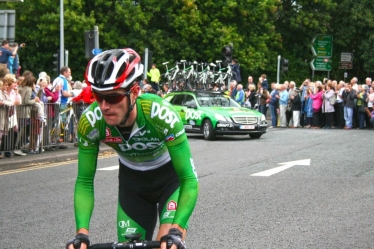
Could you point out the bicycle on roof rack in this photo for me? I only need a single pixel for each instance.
(171, 74)
(188, 74)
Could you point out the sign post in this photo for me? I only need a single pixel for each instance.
(346, 60)
(322, 49)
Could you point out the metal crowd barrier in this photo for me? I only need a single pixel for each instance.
(23, 130)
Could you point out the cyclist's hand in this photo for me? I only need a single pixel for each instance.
(173, 240)
(80, 241)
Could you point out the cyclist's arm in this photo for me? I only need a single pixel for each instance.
(89, 134)
(182, 160)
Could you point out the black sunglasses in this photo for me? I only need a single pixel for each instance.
(110, 98)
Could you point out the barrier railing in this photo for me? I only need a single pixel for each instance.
(33, 128)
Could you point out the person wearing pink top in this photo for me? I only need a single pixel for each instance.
(317, 107)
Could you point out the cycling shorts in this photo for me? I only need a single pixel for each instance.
(144, 194)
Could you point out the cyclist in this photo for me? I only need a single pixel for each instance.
(156, 172)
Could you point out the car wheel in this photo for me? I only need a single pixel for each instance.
(208, 130)
(255, 135)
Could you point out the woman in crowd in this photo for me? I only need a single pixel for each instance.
(328, 108)
(11, 98)
(250, 95)
(262, 95)
(308, 107)
(360, 105)
(317, 106)
(370, 102)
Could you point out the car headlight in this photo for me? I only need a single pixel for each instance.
(263, 118)
(221, 117)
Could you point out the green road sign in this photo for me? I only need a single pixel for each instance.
(322, 46)
(321, 64)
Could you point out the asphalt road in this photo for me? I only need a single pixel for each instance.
(248, 198)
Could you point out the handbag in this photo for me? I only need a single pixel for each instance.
(332, 100)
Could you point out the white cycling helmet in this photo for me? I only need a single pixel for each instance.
(114, 69)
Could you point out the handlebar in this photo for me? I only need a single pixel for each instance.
(127, 245)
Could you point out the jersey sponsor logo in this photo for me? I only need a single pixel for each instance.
(192, 114)
(130, 230)
(146, 139)
(168, 215)
(193, 167)
(164, 113)
(124, 223)
(179, 133)
(83, 142)
(112, 140)
(172, 206)
(93, 116)
(93, 134)
(139, 146)
(142, 133)
(108, 133)
(170, 137)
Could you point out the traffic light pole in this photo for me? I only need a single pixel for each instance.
(278, 69)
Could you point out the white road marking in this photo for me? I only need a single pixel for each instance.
(287, 165)
(110, 168)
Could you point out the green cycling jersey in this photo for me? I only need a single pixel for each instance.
(157, 137)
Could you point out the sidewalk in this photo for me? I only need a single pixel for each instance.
(59, 155)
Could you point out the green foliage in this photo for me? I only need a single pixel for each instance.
(198, 29)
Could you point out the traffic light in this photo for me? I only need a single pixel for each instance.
(227, 55)
(284, 63)
(56, 62)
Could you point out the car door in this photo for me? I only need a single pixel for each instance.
(192, 114)
(177, 102)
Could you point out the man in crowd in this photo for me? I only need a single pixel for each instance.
(155, 75)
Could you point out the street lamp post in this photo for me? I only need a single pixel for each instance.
(62, 49)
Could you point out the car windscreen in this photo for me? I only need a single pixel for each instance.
(216, 100)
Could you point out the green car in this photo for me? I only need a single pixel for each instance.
(214, 113)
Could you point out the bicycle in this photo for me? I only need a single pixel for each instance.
(171, 73)
(61, 130)
(133, 242)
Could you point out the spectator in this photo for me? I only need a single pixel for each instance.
(3, 118)
(273, 104)
(251, 96)
(262, 96)
(235, 68)
(166, 88)
(283, 103)
(317, 106)
(264, 81)
(5, 52)
(349, 96)
(308, 107)
(339, 106)
(233, 88)
(11, 98)
(295, 108)
(289, 112)
(303, 93)
(370, 103)
(240, 96)
(371, 115)
(155, 75)
(361, 105)
(250, 82)
(328, 108)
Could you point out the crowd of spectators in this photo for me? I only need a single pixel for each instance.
(29, 106)
(328, 104)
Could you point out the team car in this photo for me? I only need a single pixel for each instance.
(214, 113)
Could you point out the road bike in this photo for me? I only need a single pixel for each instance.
(64, 131)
